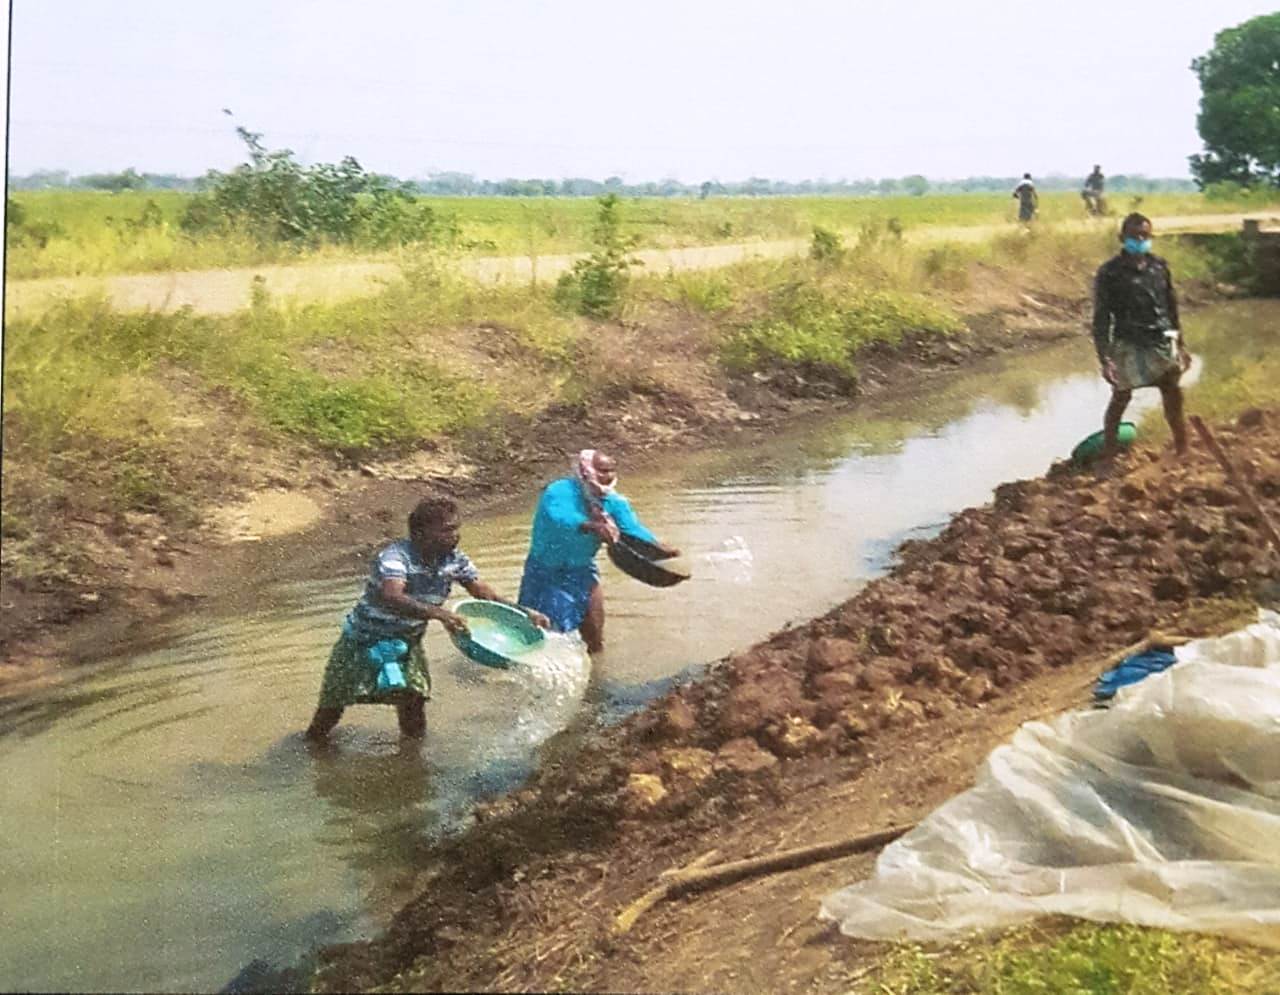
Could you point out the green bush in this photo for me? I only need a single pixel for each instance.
(708, 291)
(275, 199)
(358, 414)
(826, 246)
(946, 266)
(1226, 190)
(806, 326)
(595, 285)
(22, 230)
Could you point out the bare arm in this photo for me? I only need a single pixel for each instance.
(479, 589)
(396, 597)
(1173, 303)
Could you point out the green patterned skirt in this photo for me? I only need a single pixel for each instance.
(350, 679)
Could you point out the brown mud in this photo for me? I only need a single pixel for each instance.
(864, 718)
(316, 515)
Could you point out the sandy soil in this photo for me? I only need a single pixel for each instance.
(227, 290)
(864, 718)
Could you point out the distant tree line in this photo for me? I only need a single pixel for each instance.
(465, 185)
(129, 179)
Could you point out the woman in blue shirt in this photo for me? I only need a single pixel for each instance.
(574, 516)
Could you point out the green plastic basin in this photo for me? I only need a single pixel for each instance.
(499, 634)
(1090, 448)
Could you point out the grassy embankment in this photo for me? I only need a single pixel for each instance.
(134, 402)
(74, 233)
(1058, 956)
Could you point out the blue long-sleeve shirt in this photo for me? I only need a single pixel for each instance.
(556, 540)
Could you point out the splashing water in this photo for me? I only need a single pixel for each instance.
(547, 687)
(732, 562)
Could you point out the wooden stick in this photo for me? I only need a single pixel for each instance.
(628, 916)
(697, 877)
(1241, 485)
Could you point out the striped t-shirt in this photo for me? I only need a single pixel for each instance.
(427, 581)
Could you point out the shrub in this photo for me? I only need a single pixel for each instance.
(807, 327)
(275, 199)
(826, 246)
(595, 285)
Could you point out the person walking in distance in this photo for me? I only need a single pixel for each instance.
(1092, 192)
(1028, 199)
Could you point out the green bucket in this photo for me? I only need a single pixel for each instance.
(498, 634)
(1090, 448)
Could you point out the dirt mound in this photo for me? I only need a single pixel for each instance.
(1052, 570)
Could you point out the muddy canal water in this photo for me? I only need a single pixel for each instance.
(164, 824)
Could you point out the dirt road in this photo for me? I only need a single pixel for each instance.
(222, 291)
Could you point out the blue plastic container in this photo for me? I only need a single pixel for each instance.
(386, 656)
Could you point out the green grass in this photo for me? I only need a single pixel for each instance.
(70, 233)
(1241, 353)
(1081, 959)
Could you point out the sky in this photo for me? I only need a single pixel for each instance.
(690, 89)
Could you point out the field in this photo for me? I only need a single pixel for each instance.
(74, 233)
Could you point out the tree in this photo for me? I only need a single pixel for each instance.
(1239, 118)
(276, 199)
(114, 182)
(915, 185)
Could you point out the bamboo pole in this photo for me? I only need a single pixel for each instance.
(698, 877)
(1237, 480)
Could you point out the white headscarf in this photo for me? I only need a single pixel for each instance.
(584, 468)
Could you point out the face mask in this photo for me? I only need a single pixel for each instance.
(1138, 246)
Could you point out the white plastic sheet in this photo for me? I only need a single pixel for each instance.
(1163, 810)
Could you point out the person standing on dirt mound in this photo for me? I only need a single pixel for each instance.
(1137, 334)
(1028, 199)
(408, 583)
(575, 514)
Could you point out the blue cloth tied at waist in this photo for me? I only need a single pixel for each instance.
(562, 593)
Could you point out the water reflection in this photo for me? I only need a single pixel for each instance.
(374, 798)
